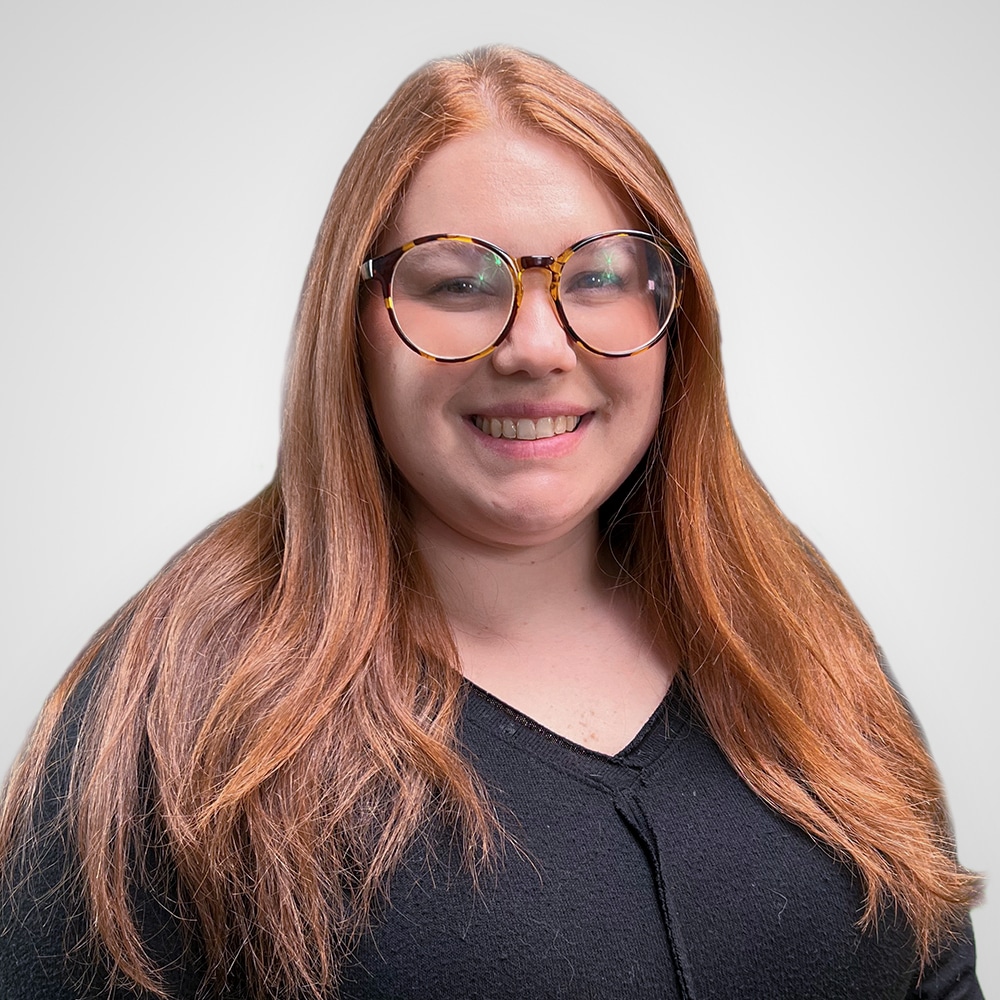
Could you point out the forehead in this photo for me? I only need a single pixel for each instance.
(524, 191)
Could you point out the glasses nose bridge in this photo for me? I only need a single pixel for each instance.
(540, 262)
(537, 261)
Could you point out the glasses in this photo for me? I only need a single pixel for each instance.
(454, 298)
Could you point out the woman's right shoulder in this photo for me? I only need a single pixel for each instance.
(43, 921)
(47, 950)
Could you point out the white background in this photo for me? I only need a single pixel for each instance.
(165, 169)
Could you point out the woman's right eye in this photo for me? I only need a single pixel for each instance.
(447, 276)
(459, 286)
(452, 293)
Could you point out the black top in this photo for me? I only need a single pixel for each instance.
(655, 872)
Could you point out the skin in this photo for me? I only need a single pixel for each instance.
(507, 527)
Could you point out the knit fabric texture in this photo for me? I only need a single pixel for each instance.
(654, 872)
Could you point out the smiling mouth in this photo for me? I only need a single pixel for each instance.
(523, 429)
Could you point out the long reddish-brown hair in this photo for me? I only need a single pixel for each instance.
(285, 692)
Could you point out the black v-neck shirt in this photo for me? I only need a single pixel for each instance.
(651, 873)
(654, 872)
(573, 910)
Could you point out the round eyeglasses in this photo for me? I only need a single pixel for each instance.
(454, 298)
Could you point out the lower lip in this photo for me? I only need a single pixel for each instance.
(549, 447)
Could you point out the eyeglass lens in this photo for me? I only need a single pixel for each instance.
(452, 299)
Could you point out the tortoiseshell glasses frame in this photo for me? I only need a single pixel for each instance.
(668, 258)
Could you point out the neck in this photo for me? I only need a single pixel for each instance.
(545, 629)
(513, 593)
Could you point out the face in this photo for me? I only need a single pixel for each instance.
(529, 195)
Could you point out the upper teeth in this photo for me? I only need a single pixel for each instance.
(524, 429)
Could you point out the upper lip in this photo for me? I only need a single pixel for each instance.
(531, 411)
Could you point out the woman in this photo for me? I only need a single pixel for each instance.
(514, 681)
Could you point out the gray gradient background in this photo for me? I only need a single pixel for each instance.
(164, 173)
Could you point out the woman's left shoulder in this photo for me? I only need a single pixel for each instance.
(952, 973)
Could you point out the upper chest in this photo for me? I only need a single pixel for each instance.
(659, 874)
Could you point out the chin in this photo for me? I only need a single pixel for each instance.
(533, 523)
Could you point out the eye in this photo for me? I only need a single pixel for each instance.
(453, 276)
(462, 286)
(596, 281)
(596, 285)
(601, 271)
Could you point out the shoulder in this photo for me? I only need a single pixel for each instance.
(952, 973)
(43, 925)
(47, 948)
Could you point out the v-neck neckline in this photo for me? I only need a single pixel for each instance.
(513, 726)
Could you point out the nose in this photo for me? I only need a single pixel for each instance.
(536, 345)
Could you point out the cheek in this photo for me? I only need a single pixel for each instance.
(406, 392)
(376, 334)
(378, 367)
(645, 387)
(382, 366)
(647, 405)
(645, 390)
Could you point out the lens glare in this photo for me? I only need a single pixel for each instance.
(452, 298)
(617, 293)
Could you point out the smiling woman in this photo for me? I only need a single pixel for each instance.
(474, 495)
(514, 682)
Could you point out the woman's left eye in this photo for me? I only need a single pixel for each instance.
(594, 281)
(601, 279)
